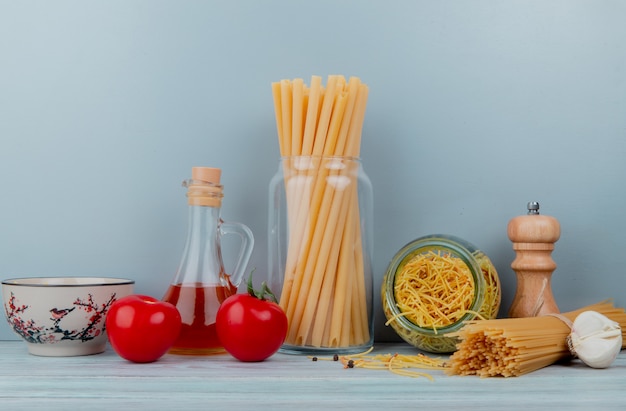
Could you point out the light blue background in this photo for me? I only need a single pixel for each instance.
(475, 108)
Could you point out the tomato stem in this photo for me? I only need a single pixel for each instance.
(264, 294)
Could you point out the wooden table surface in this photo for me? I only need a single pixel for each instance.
(288, 382)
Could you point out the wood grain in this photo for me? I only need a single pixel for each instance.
(288, 382)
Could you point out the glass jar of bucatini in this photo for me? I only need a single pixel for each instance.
(434, 284)
(320, 248)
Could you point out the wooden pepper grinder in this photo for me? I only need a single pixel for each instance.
(533, 236)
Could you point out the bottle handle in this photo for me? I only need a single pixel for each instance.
(245, 250)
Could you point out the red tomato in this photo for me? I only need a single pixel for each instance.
(250, 327)
(141, 328)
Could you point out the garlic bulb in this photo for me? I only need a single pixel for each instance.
(595, 339)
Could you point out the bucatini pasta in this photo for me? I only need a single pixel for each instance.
(324, 292)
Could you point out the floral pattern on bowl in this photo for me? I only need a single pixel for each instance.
(32, 332)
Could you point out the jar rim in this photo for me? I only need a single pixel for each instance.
(457, 247)
(313, 156)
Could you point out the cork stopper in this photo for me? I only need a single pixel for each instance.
(204, 188)
(533, 236)
(206, 174)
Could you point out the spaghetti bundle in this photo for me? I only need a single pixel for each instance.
(324, 290)
(511, 347)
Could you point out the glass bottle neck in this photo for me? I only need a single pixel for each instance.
(202, 259)
(203, 221)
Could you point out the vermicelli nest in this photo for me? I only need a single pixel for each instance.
(429, 306)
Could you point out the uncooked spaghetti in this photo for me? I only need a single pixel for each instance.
(511, 347)
(505, 347)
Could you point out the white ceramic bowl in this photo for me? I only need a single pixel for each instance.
(62, 316)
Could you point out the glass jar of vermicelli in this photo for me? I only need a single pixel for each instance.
(435, 283)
